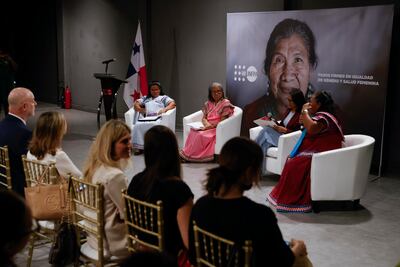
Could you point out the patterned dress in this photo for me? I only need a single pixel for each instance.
(199, 146)
(293, 191)
(152, 105)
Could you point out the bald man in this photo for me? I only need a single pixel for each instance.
(15, 134)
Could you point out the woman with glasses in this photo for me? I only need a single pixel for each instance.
(200, 144)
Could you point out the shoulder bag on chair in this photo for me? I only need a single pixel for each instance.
(47, 201)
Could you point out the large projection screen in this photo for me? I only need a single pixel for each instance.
(352, 47)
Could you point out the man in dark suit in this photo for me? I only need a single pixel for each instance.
(15, 134)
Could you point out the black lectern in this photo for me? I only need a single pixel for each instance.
(109, 90)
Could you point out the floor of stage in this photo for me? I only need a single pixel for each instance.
(366, 237)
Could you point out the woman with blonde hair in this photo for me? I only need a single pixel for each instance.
(45, 145)
(108, 156)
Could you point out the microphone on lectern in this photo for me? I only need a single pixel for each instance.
(109, 60)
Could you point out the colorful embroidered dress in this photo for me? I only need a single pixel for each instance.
(293, 192)
(199, 146)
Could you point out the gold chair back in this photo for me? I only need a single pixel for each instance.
(35, 171)
(215, 251)
(145, 224)
(5, 172)
(87, 209)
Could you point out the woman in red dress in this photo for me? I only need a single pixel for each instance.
(322, 133)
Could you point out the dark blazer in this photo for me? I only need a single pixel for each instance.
(15, 134)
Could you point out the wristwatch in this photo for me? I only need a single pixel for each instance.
(304, 111)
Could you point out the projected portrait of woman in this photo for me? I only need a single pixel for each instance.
(290, 59)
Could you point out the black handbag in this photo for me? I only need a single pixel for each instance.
(65, 249)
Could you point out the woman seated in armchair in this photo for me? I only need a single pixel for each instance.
(200, 144)
(321, 132)
(155, 103)
(269, 135)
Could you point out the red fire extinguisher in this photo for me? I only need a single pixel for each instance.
(67, 97)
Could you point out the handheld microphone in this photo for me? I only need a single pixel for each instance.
(109, 60)
(269, 115)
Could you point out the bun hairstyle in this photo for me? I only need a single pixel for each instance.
(326, 101)
(239, 164)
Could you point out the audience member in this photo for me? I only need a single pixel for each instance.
(200, 143)
(15, 134)
(226, 212)
(156, 103)
(161, 180)
(15, 227)
(269, 135)
(149, 259)
(108, 156)
(45, 145)
(321, 132)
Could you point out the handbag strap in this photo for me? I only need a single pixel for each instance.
(41, 177)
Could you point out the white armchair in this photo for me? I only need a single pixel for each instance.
(342, 174)
(167, 119)
(276, 156)
(226, 129)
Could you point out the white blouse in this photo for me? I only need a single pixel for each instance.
(64, 164)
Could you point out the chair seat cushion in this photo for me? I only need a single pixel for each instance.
(272, 152)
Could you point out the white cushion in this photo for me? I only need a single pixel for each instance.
(272, 152)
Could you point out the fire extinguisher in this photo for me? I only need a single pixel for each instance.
(67, 97)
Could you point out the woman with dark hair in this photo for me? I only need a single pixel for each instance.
(269, 135)
(321, 132)
(15, 227)
(224, 211)
(161, 180)
(155, 103)
(200, 144)
(290, 59)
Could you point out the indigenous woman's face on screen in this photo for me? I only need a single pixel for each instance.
(155, 91)
(290, 68)
(123, 147)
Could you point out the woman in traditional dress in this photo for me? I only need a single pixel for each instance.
(156, 103)
(269, 135)
(322, 133)
(45, 146)
(200, 144)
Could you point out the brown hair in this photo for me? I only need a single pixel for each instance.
(48, 133)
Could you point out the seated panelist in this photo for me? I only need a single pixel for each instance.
(154, 104)
(200, 144)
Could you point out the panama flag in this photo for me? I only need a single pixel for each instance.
(136, 76)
